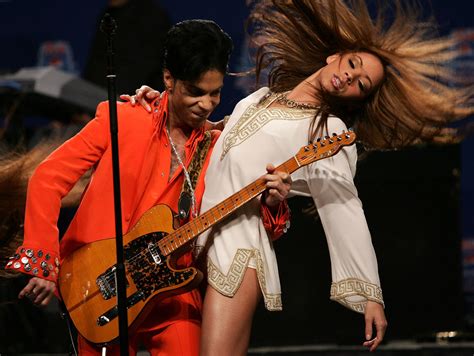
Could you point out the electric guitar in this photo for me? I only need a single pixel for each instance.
(151, 247)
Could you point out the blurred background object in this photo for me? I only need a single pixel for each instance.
(141, 29)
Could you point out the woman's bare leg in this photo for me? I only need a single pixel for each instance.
(226, 322)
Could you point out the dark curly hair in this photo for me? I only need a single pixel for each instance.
(193, 47)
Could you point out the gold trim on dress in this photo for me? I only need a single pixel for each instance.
(253, 119)
(228, 284)
(342, 291)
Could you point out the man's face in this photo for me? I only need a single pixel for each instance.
(191, 103)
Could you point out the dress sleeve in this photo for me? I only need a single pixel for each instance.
(51, 181)
(355, 278)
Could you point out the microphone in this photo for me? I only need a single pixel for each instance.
(108, 25)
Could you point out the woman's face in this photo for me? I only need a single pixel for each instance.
(351, 75)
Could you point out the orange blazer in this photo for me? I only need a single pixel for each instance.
(91, 148)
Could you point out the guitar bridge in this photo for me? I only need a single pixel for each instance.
(107, 282)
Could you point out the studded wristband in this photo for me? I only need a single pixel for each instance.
(36, 262)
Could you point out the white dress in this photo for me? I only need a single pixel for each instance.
(254, 136)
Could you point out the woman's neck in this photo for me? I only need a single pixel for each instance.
(304, 92)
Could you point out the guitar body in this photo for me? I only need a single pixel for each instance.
(87, 277)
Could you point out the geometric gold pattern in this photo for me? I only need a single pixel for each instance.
(228, 284)
(253, 119)
(341, 292)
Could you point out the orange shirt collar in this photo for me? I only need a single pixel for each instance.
(160, 116)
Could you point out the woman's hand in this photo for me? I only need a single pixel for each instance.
(143, 96)
(374, 315)
(39, 291)
(278, 186)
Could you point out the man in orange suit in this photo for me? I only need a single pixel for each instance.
(162, 154)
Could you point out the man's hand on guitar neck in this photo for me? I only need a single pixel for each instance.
(39, 291)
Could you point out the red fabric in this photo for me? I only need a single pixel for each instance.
(276, 221)
(145, 160)
(179, 338)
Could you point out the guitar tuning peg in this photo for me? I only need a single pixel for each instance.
(326, 137)
(334, 134)
(319, 139)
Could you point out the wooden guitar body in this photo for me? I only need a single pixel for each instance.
(87, 277)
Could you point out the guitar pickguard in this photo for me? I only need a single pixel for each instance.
(149, 269)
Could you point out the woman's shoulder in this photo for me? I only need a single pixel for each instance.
(251, 99)
(336, 125)
(256, 96)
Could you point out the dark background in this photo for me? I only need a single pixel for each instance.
(418, 203)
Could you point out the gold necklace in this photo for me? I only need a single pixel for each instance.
(186, 174)
(282, 98)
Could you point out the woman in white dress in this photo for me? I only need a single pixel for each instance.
(331, 67)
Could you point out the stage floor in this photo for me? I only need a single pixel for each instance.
(400, 347)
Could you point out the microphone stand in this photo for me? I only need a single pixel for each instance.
(108, 26)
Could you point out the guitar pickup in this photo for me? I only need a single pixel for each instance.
(155, 255)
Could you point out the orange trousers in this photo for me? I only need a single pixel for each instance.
(172, 328)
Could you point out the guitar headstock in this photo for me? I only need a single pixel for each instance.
(324, 147)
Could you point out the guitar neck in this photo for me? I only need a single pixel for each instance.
(192, 229)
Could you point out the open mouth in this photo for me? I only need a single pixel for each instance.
(336, 82)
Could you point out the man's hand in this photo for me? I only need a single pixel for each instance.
(278, 186)
(374, 315)
(39, 291)
(143, 96)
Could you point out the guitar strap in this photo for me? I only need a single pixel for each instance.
(195, 167)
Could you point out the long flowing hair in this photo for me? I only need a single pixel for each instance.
(419, 94)
(16, 167)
